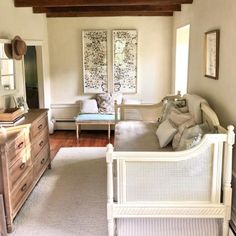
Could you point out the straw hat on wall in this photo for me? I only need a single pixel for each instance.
(16, 49)
(8, 50)
(19, 48)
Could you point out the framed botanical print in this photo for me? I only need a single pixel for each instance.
(212, 48)
(125, 61)
(95, 72)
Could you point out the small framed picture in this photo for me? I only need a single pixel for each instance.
(212, 49)
(21, 103)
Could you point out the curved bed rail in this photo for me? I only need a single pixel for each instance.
(214, 150)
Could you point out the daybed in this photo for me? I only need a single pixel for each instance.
(158, 191)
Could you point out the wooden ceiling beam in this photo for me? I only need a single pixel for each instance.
(144, 8)
(108, 14)
(68, 3)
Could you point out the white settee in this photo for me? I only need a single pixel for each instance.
(154, 191)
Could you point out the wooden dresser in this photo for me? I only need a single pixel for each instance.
(24, 157)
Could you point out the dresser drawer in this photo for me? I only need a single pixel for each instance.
(39, 142)
(17, 145)
(19, 168)
(38, 126)
(41, 161)
(22, 190)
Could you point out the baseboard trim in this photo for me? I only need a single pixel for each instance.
(63, 105)
(65, 120)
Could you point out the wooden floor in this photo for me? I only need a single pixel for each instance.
(93, 138)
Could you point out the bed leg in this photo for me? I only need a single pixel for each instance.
(227, 178)
(111, 227)
(109, 132)
(77, 131)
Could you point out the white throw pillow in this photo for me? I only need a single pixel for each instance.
(88, 106)
(165, 133)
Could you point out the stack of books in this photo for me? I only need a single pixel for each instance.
(11, 117)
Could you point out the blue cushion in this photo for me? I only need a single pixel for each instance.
(94, 117)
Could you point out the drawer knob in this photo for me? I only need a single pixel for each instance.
(20, 145)
(22, 166)
(40, 126)
(23, 188)
(41, 143)
(43, 160)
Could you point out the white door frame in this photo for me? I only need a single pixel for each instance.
(40, 70)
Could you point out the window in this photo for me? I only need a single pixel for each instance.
(7, 80)
(182, 56)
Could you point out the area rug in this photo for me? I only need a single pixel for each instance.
(70, 199)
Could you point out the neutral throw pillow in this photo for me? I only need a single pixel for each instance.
(181, 128)
(189, 123)
(189, 143)
(179, 118)
(165, 133)
(177, 106)
(88, 106)
(167, 108)
(105, 103)
(192, 136)
(194, 104)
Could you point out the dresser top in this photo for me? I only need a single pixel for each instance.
(32, 115)
(15, 131)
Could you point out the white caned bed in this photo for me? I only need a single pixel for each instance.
(185, 193)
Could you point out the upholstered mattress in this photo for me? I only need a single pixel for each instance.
(137, 136)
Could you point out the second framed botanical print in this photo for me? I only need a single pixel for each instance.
(125, 61)
(95, 61)
(212, 46)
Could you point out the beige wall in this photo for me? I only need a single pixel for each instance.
(205, 15)
(154, 55)
(21, 21)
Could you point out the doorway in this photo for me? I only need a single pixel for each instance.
(182, 59)
(31, 78)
